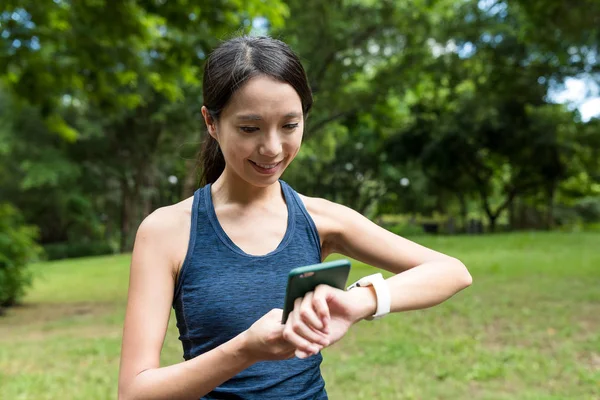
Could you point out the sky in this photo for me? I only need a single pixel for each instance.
(581, 94)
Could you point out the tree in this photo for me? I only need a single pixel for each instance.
(360, 57)
(120, 76)
(17, 248)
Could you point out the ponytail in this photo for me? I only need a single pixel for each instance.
(212, 160)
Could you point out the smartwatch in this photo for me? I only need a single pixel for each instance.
(381, 290)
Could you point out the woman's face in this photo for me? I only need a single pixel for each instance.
(260, 130)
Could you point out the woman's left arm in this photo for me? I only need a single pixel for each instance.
(423, 277)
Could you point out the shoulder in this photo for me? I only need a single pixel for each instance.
(166, 219)
(318, 207)
(330, 219)
(165, 233)
(329, 211)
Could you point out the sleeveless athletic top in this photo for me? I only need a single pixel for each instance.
(222, 291)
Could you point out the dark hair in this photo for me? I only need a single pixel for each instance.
(232, 64)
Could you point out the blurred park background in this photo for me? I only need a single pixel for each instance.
(471, 126)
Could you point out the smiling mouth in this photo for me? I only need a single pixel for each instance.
(266, 166)
(267, 169)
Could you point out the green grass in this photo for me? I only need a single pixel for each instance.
(528, 328)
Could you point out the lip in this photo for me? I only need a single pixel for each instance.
(266, 171)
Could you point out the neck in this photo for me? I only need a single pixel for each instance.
(230, 188)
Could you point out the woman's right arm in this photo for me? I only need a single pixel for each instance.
(151, 286)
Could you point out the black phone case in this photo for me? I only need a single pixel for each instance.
(305, 279)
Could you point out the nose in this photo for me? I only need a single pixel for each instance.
(270, 145)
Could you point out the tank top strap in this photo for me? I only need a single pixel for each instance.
(192, 240)
(298, 205)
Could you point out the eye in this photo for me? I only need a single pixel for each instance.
(248, 129)
(291, 126)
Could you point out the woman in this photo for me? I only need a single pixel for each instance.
(221, 257)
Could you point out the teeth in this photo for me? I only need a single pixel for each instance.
(267, 166)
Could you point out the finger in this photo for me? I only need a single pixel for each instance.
(295, 339)
(308, 313)
(300, 327)
(320, 305)
(288, 350)
(302, 354)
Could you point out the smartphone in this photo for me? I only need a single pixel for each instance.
(305, 279)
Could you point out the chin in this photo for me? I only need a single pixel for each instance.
(266, 181)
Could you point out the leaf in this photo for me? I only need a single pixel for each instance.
(56, 124)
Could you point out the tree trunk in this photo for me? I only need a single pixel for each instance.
(493, 215)
(10, 302)
(463, 211)
(492, 219)
(125, 215)
(191, 179)
(146, 183)
(550, 210)
(512, 216)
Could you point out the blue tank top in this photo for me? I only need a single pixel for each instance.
(222, 291)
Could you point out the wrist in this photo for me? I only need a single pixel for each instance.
(366, 302)
(243, 350)
(380, 290)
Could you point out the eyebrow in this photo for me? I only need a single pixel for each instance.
(256, 117)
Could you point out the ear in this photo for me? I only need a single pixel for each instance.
(211, 124)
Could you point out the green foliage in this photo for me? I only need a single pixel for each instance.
(593, 227)
(103, 97)
(74, 249)
(45, 178)
(17, 248)
(407, 229)
(56, 124)
(107, 56)
(99, 107)
(589, 209)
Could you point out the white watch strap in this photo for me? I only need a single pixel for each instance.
(381, 290)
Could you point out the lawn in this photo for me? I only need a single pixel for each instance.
(528, 328)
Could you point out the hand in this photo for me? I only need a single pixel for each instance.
(264, 339)
(323, 317)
